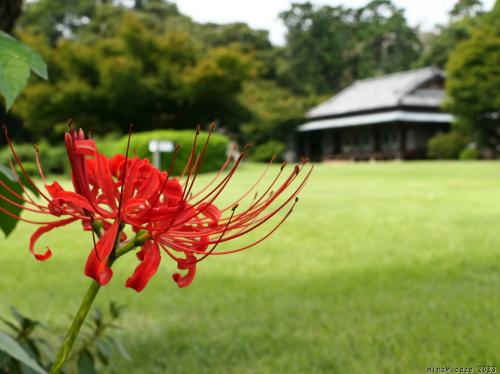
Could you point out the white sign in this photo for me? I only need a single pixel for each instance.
(161, 146)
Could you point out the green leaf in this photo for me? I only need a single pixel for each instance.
(28, 185)
(120, 348)
(18, 316)
(38, 66)
(16, 62)
(114, 309)
(45, 348)
(97, 317)
(26, 323)
(10, 324)
(27, 370)
(13, 349)
(8, 223)
(103, 350)
(86, 364)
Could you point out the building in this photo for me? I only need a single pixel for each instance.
(388, 117)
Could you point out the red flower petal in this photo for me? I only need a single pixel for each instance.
(42, 230)
(116, 164)
(150, 257)
(173, 190)
(188, 264)
(97, 267)
(105, 181)
(77, 201)
(53, 188)
(210, 211)
(85, 147)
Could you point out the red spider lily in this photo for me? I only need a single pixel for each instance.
(110, 194)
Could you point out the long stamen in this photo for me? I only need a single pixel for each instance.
(12, 202)
(217, 191)
(170, 170)
(24, 219)
(124, 172)
(220, 238)
(191, 159)
(20, 197)
(217, 175)
(262, 220)
(265, 236)
(255, 184)
(38, 164)
(250, 245)
(23, 187)
(18, 161)
(212, 128)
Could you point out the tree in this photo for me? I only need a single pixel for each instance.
(329, 47)
(473, 81)
(150, 79)
(464, 17)
(275, 111)
(56, 18)
(466, 8)
(314, 58)
(385, 43)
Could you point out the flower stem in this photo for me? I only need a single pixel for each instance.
(75, 327)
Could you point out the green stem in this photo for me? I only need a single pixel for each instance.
(138, 241)
(140, 238)
(75, 327)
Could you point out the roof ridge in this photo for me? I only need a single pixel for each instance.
(414, 86)
(394, 86)
(401, 72)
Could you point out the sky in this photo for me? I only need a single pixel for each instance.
(263, 14)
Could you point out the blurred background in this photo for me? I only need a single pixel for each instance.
(384, 266)
(167, 65)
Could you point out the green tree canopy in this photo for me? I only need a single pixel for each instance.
(473, 81)
(464, 16)
(329, 47)
(153, 80)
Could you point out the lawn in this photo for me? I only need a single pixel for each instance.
(382, 268)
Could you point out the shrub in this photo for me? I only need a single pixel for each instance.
(447, 145)
(214, 158)
(469, 153)
(264, 152)
(52, 157)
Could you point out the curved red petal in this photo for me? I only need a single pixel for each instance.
(98, 270)
(188, 264)
(116, 163)
(76, 200)
(210, 211)
(97, 267)
(42, 230)
(53, 189)
(151, 258)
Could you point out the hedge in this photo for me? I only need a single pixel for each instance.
(264, 152)
(139, 144)
(446, 145)
(52, 157)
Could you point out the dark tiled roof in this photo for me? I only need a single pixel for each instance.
(388, 91)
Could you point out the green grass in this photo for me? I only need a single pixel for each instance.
(383, 268)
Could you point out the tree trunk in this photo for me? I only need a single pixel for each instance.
(10, 10)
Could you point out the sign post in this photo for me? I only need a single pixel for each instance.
(157, 147)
